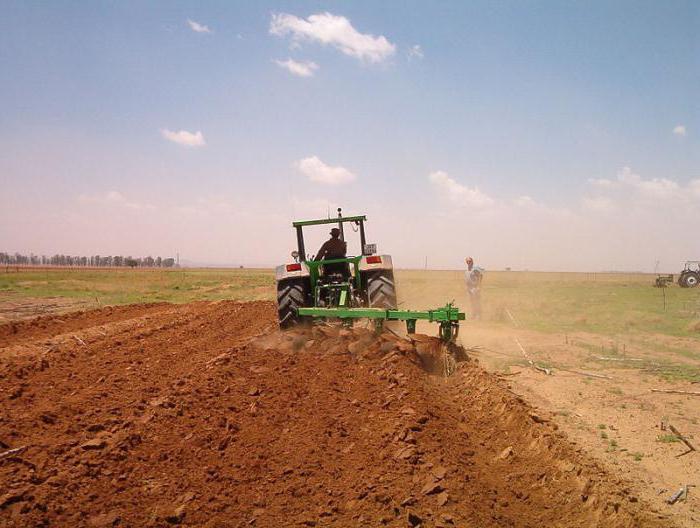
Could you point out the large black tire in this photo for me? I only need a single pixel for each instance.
(292, 294)
(381, 289)
(691, 279)
(681, 280)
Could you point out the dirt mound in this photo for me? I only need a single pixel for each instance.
(206, 415)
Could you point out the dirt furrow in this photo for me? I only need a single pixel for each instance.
(203, 415)
(47, 326)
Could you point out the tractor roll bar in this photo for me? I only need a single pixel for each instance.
(304, 223)
(340, 220)
(300, 244)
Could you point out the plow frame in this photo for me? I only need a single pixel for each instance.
(447, 316)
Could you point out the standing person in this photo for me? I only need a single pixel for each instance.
(474, 275)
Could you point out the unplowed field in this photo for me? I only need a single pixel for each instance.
(204, 414)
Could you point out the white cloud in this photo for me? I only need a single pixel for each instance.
(679, 130)
(415, 52)
(113, 198)
(336, 31)
(598, 203)
(694, 187)
(317, 171)
(183, 137)
(627, 180)
(657, 187)
(197, 27)
(524, 201)
(300, 69)
(601, 182)
(458, 193)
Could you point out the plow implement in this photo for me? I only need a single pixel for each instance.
(448, 317)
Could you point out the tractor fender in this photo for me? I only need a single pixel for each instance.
(376, 262)
(289, 271)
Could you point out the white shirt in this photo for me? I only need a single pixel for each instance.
(473, 278)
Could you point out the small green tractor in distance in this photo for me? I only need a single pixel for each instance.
(349, 288)
(690, 276)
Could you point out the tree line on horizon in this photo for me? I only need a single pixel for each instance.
(94, 261)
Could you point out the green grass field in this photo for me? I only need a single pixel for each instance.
(550, 302)
(602, 303)
(599, 303)
(128, 286)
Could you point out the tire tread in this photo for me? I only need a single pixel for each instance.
(381, 289)
(291, 294)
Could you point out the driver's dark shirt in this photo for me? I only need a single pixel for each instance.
(333, 248)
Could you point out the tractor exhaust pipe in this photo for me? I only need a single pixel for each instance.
(340, 224)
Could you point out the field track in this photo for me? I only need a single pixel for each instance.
(204, 414)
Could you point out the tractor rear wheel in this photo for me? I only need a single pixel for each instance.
(691, 279)
(681, 280)
(381, 290)
(292, 294)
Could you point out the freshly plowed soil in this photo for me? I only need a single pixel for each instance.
(206, 415)
(47, 326)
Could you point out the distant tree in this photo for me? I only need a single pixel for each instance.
(17, 258)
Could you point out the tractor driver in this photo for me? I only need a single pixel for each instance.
(334, 248)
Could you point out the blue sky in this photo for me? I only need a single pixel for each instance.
(540, 135)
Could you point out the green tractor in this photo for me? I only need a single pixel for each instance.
(349, 288)
(365, 280)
